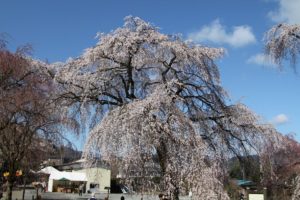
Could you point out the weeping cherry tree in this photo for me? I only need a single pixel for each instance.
(283, 42)
(160, 109)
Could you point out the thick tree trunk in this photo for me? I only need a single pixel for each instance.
(174, 194)
(9, 189)
(170, 187)
(11, 178)
(24, 188)
(37, 191)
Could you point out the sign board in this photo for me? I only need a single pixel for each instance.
(256, 196)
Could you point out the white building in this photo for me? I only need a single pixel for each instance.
(95, 179)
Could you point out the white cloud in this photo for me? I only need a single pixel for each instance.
(280, 119)
(261, 59)
(215, 32)
(288, 11)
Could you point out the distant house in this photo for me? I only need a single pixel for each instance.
(52, 161)
(250, 190)
(58, 155)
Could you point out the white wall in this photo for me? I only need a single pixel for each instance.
(50, 185)
(99, 176)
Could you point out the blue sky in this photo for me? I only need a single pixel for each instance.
(62, 29)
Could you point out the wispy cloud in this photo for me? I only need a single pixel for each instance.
(262, 60)
(280, 119)
(288, 11)
(216, 33)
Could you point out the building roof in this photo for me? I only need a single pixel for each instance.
(79, 164)
(47, 170)
(70, 176)
(245, 183)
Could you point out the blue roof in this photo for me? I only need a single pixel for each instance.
(244, 182)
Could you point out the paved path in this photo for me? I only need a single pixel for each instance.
(17, 195)
(100, 196)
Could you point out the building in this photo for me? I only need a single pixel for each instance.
(97, 179)
(68, 177)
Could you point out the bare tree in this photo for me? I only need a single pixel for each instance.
(159, 102)
(27, 115)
